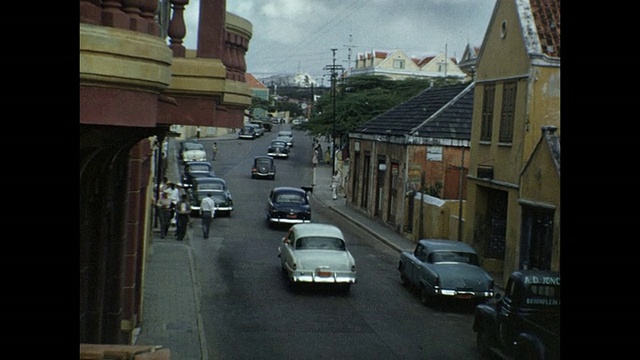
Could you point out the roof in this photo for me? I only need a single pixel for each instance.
(440, 111)
(289, 189)
(540, 21)
(443, 244)
(316, 229)
(253, 82)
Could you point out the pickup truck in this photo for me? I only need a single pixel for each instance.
(524, 323)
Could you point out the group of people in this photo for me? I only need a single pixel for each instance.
(175, 208)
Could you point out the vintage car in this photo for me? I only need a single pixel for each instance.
(221, 195)
(247, 132)
(258, 127)
(525, 322)
(288, 205)
(287, 135)
(196, 169)
(193, 151)
(278, 149)
(441, 269)
(265, 124)
(181, 146)
(263, 167)
(317, 253)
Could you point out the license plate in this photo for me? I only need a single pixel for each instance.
(324, 273)
(465, 296)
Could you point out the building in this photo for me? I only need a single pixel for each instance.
(468, 60)
(258, 91)
(514, 175)
(398, 65)
(407, 166)
(133, 88)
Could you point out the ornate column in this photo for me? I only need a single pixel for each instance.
(90, 12)
(132, 8)
(177, 28)
(149, 8)
(113, 16)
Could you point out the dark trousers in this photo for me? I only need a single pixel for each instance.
(165, 221)
(206, 223)
(181, 225)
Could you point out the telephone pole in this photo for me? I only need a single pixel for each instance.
(333, 69)
(349, 53)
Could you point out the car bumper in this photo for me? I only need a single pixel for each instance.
(262, 174)
(461, 294)
(275, 154)
(288, 221)
(310, 276)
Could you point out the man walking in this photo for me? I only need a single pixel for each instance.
(164, 207)
(184, 209)
(207, 212)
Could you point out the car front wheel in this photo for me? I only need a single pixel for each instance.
(425, 297)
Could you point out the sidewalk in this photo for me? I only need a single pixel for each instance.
(171, 309)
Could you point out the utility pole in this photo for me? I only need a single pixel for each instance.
(333, 69)
(349, 53)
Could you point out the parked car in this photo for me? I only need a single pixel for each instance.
(258, 128)
(263, 167)
(441, 269)
(193, 151)
(288, 205)
(265, 124)
(196, 169)
(317, 253)
(221, 195)
(181, 146)
(247, 132)
(278, 149)
(525, 322)
(287, 135)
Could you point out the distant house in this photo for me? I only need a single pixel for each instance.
(397, 65)
(514, 184)
(260, 91)
(468, 60)
(410, 157)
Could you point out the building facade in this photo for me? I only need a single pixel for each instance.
(133, 88)
(514, 201)
(397, 65)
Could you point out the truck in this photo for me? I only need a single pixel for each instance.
(524, 322)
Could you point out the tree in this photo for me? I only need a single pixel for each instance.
(361, 98)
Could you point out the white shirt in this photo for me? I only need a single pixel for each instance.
(207, 204)
(174, 194)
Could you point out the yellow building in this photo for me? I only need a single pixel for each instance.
(514, 197)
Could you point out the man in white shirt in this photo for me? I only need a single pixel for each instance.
(207, 212)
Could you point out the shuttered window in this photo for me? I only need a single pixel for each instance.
(487, 112)
(508, 111)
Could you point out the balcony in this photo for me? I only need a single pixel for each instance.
(125, 52)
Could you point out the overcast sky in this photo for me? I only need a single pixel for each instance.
(298, 35)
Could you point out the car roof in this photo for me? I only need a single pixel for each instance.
(316, 229)
(444, 244)
(209, 179)
(258, 157)
(288, 189)
(189, 163)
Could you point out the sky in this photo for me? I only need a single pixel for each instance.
(291, 36)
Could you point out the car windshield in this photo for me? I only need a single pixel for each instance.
(193, 146)
(210, 186)
(290, 198)
(285, 133)
(198, 168)
(439, 257)
(318, 242)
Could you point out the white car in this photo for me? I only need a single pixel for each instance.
(287, 136)
(193, 152)
(317, 253)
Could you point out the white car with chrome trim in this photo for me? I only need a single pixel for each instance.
(317, 253)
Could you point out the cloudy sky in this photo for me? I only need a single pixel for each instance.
(298, 35)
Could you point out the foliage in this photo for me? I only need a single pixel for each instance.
(361, 98)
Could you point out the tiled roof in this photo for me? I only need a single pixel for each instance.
(253, 82)
(547, 19)
(412, 115)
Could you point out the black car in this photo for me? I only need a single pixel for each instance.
(263, 167)
(247, 132)
(288, 205)
(278, 149)
(183, 145)
(216, 186)
(196, 169)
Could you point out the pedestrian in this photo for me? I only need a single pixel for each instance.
(198, 132)
(207, 212)
(184, 209)
(335, 182)
(164, 207)
(174, 196)
(214, 151)
(314, 159)
(320, 152)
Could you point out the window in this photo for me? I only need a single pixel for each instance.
(487, 112)
(398, 63)
(508, 110)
